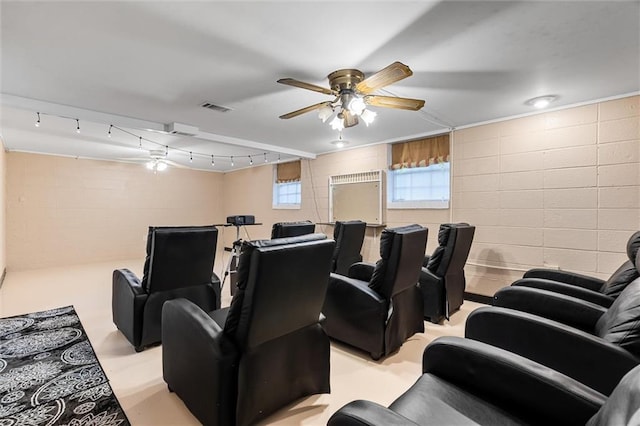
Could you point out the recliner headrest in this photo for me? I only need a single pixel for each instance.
(386, 239)
(286, 240)
(633, 245)
(443, 234)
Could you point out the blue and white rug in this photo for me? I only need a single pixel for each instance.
(49, 374)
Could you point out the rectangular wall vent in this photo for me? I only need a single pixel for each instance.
(215, 107)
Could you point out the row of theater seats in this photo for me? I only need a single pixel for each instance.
(274, 314)
(179, 261)
(442, 280)
(237, 365)
(544, 353)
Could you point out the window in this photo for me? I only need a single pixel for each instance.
(287, 187)
(419, 175)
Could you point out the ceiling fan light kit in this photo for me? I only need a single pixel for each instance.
(353, 93)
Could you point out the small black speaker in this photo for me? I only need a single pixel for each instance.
(240, 220)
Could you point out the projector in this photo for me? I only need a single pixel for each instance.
(240, 220)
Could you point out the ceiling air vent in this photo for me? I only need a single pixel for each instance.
(180, 129)
(215, 107)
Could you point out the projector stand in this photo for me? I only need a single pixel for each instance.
(230, 268)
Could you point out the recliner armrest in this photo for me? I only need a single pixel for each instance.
(567, 289)
(127, 279)
(128, 298)
(555, 306)
(572, 278)
(362, 271)
(360, 413)
(199, 362)
(355, 291)
(589, 359)
(428, 277)
(511, 381)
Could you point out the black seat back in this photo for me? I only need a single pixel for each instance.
(349, 236)
(179, 256)
(401, 254)
(621, 323)
(627, 272)
(281, 288)
(292, 229)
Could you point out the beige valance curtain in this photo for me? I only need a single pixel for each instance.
(288, 172)
(420, 153)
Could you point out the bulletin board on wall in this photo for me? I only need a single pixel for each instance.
(358, 196)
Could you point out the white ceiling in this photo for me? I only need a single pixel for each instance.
(139, 65)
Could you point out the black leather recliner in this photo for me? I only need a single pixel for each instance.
(592, 344)
(292, 229)
(376, 308)
(442, 279)
(179, 263)
(349, 236)
(236, 365)
(585, 287)
(467, 382)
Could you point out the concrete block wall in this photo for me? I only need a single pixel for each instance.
(558, 189)
(62, 211)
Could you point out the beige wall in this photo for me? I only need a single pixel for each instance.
(558, 189)
(65, 211)
(249, 191)
(3, 208)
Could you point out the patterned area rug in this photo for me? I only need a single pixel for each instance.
(49, 374)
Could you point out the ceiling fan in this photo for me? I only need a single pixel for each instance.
(156, 161)
(353, 93)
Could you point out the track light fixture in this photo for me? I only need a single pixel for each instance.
(158, 165)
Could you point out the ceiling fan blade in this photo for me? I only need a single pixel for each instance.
(174, 164)
(390, 74)
(308, 86)
(306, 109)
(393, 102)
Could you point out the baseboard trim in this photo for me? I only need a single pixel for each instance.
(4, 274)
(479, 298)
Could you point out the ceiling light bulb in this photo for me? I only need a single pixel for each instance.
(109, 132)
(77, 126)
(541, 101)
(265, 157)
(38, 122)
(151, 165)
(337, 123)
(368, 116)
(325, 112)
(213, 162)
(232, 161)
(356, 106)
(161, 166)
(190, 157)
